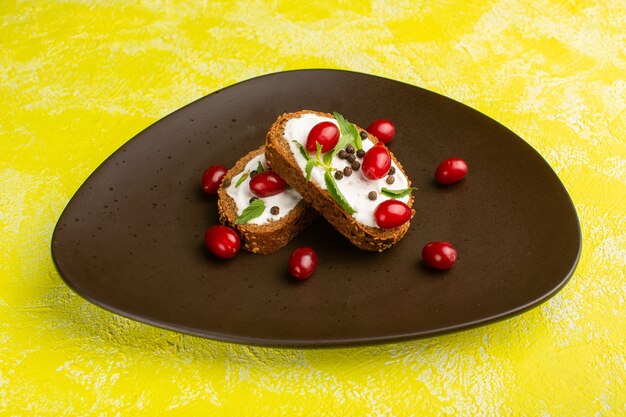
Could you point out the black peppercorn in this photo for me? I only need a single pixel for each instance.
(342, 154)
(360, 153)
(392, 171)
(350, 149)
(347, 171)
(363, 134)
(351, 158)
(253, 173)
(338, 175)
(356, 165)
(390, 179)
(253, 198)
(226, 182)
(372, 195)
(275, 210)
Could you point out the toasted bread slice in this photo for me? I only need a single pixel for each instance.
(271, 235)
(281, 156)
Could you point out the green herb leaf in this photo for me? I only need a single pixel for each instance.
(328, 158)
(260, 168)
(318, 151)
(358, 143)
(349, 134)
(333, 190)
(302, 149)
(345, 139)
(254, 210)
(309, 168)
(342, 122)
(242, 179)
(397, 193)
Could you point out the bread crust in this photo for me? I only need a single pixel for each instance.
(280, 156)
(261, 238)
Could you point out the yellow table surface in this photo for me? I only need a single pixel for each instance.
(78, 79)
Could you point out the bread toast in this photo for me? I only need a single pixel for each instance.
(359, 228)
(269, 232)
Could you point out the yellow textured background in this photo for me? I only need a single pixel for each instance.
(79, 78)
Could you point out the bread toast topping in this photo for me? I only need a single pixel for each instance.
(354, 186)
(239, 190)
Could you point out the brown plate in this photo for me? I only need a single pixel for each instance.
(130, 240)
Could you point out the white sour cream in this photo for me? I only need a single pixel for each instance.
(354, 188)
(242, 194)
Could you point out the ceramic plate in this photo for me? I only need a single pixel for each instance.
(130, 240)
